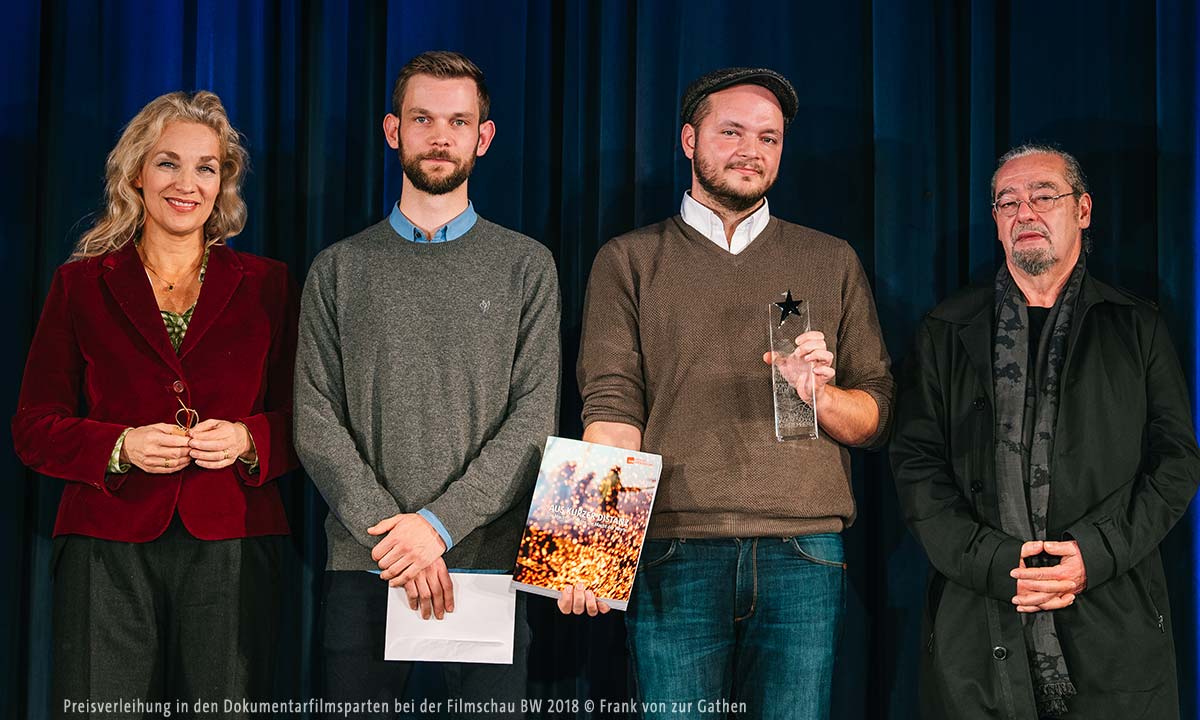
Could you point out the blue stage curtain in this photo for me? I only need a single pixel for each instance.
(904, 107)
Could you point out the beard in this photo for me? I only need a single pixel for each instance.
(434, 184)
(730, 196)
(1033, 261)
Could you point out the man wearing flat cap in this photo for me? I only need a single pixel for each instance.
(738, 600)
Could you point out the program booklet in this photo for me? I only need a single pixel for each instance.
(587, 521)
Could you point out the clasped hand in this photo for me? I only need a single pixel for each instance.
(1049, 588)
(165, 448)
(410, 556)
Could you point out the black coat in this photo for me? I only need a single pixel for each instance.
(1125, 465)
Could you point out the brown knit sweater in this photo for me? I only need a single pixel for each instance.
(674, 330)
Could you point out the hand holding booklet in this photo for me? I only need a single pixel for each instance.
(588, 519)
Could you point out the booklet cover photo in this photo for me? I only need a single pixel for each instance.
(587, 521)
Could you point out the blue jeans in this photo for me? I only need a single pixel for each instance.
(744, 627)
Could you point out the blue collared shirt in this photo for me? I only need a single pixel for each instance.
(453, 230)
(437, 525)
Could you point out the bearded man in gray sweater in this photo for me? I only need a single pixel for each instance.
(427, 380)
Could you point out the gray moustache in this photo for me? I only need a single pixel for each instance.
(1024, 229)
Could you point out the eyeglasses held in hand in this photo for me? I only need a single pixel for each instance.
(185, 417)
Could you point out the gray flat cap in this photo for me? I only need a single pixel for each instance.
(710, 83)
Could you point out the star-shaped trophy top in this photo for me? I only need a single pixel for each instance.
(788, 306)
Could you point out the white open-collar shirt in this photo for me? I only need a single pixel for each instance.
(709, 224)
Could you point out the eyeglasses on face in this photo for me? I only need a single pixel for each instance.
(1008, 206)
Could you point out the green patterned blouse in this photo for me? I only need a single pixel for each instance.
(177, 323)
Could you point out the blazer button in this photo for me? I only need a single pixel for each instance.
(999, 652)
(979, 403)
(178, 386)
(976, 487)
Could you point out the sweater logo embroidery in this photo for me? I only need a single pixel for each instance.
(484, 305)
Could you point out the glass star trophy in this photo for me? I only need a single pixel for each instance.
(794, 418)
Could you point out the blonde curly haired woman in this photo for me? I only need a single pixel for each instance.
(158, 386)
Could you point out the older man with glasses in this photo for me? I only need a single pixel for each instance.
(1043, 450)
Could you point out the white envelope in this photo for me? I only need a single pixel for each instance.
(480, 630)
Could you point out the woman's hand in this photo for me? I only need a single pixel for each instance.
(159, 449)
(216, 444)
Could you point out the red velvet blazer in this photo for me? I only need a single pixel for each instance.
(101, 362)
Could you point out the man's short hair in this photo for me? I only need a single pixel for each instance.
(444, 65)
(1074, 174)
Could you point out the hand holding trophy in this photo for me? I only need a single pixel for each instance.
(800, 367)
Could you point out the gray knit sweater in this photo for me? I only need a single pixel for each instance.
(427, 376)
